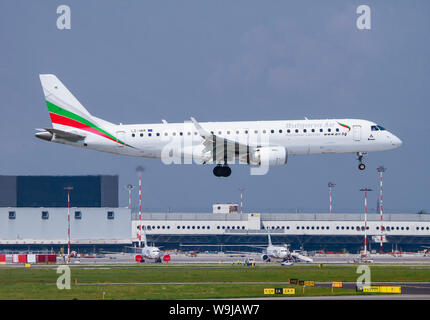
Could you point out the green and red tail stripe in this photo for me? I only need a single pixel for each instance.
(345, 126)
(61, 116)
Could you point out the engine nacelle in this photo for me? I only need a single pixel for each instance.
(271, 156)
(265, 257)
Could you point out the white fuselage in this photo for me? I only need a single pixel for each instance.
(151, 252)
(277, 252)
(296, 136)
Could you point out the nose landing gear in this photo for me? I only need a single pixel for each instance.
(222, 171)
(360, 155)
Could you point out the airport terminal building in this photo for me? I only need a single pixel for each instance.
(34, 214)
(311, 231)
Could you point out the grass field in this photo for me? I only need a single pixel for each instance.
(40, 283)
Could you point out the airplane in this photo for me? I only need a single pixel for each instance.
(149, 252)
(257, 143)
(274, 252)
(282, 252)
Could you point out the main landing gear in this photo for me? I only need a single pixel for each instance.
(222, 171)
(360, 155)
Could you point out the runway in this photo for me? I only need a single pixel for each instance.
(229, 259)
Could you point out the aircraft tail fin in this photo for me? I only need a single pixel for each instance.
(269, 238)
(64, 109)
(145, 242)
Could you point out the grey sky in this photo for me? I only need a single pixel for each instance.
(143, 61)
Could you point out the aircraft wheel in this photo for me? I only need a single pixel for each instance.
(217, 171)
(361, 166)
(226, 171)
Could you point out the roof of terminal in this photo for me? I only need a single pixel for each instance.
(284, 216)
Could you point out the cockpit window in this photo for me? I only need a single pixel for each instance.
(381, 128)
(374, 128)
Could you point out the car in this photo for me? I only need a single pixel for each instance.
(287, 263)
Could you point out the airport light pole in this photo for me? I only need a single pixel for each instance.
(241, 200)
(129, 187)
(331, 186)
(365, 190)
(139, 170)
(68, 189)
(381, 170)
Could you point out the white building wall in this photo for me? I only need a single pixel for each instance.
(284, 224)
(29, 228)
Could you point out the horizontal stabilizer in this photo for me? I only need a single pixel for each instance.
(49, 134)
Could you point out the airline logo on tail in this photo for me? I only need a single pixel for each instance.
(66, 118)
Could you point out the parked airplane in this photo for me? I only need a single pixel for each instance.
(274, 252)
(282, 252)
(149, 252)
(256, 143)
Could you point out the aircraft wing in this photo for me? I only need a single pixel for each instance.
(222, 149)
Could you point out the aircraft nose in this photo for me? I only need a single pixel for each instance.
(395, 141)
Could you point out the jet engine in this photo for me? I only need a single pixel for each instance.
(265, 257)
(272, 156)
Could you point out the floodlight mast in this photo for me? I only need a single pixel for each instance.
(381, 170)
(129, 187)
(365, 190)
(68, 189)
(331, 186)
(241, 200)
(139, 170)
